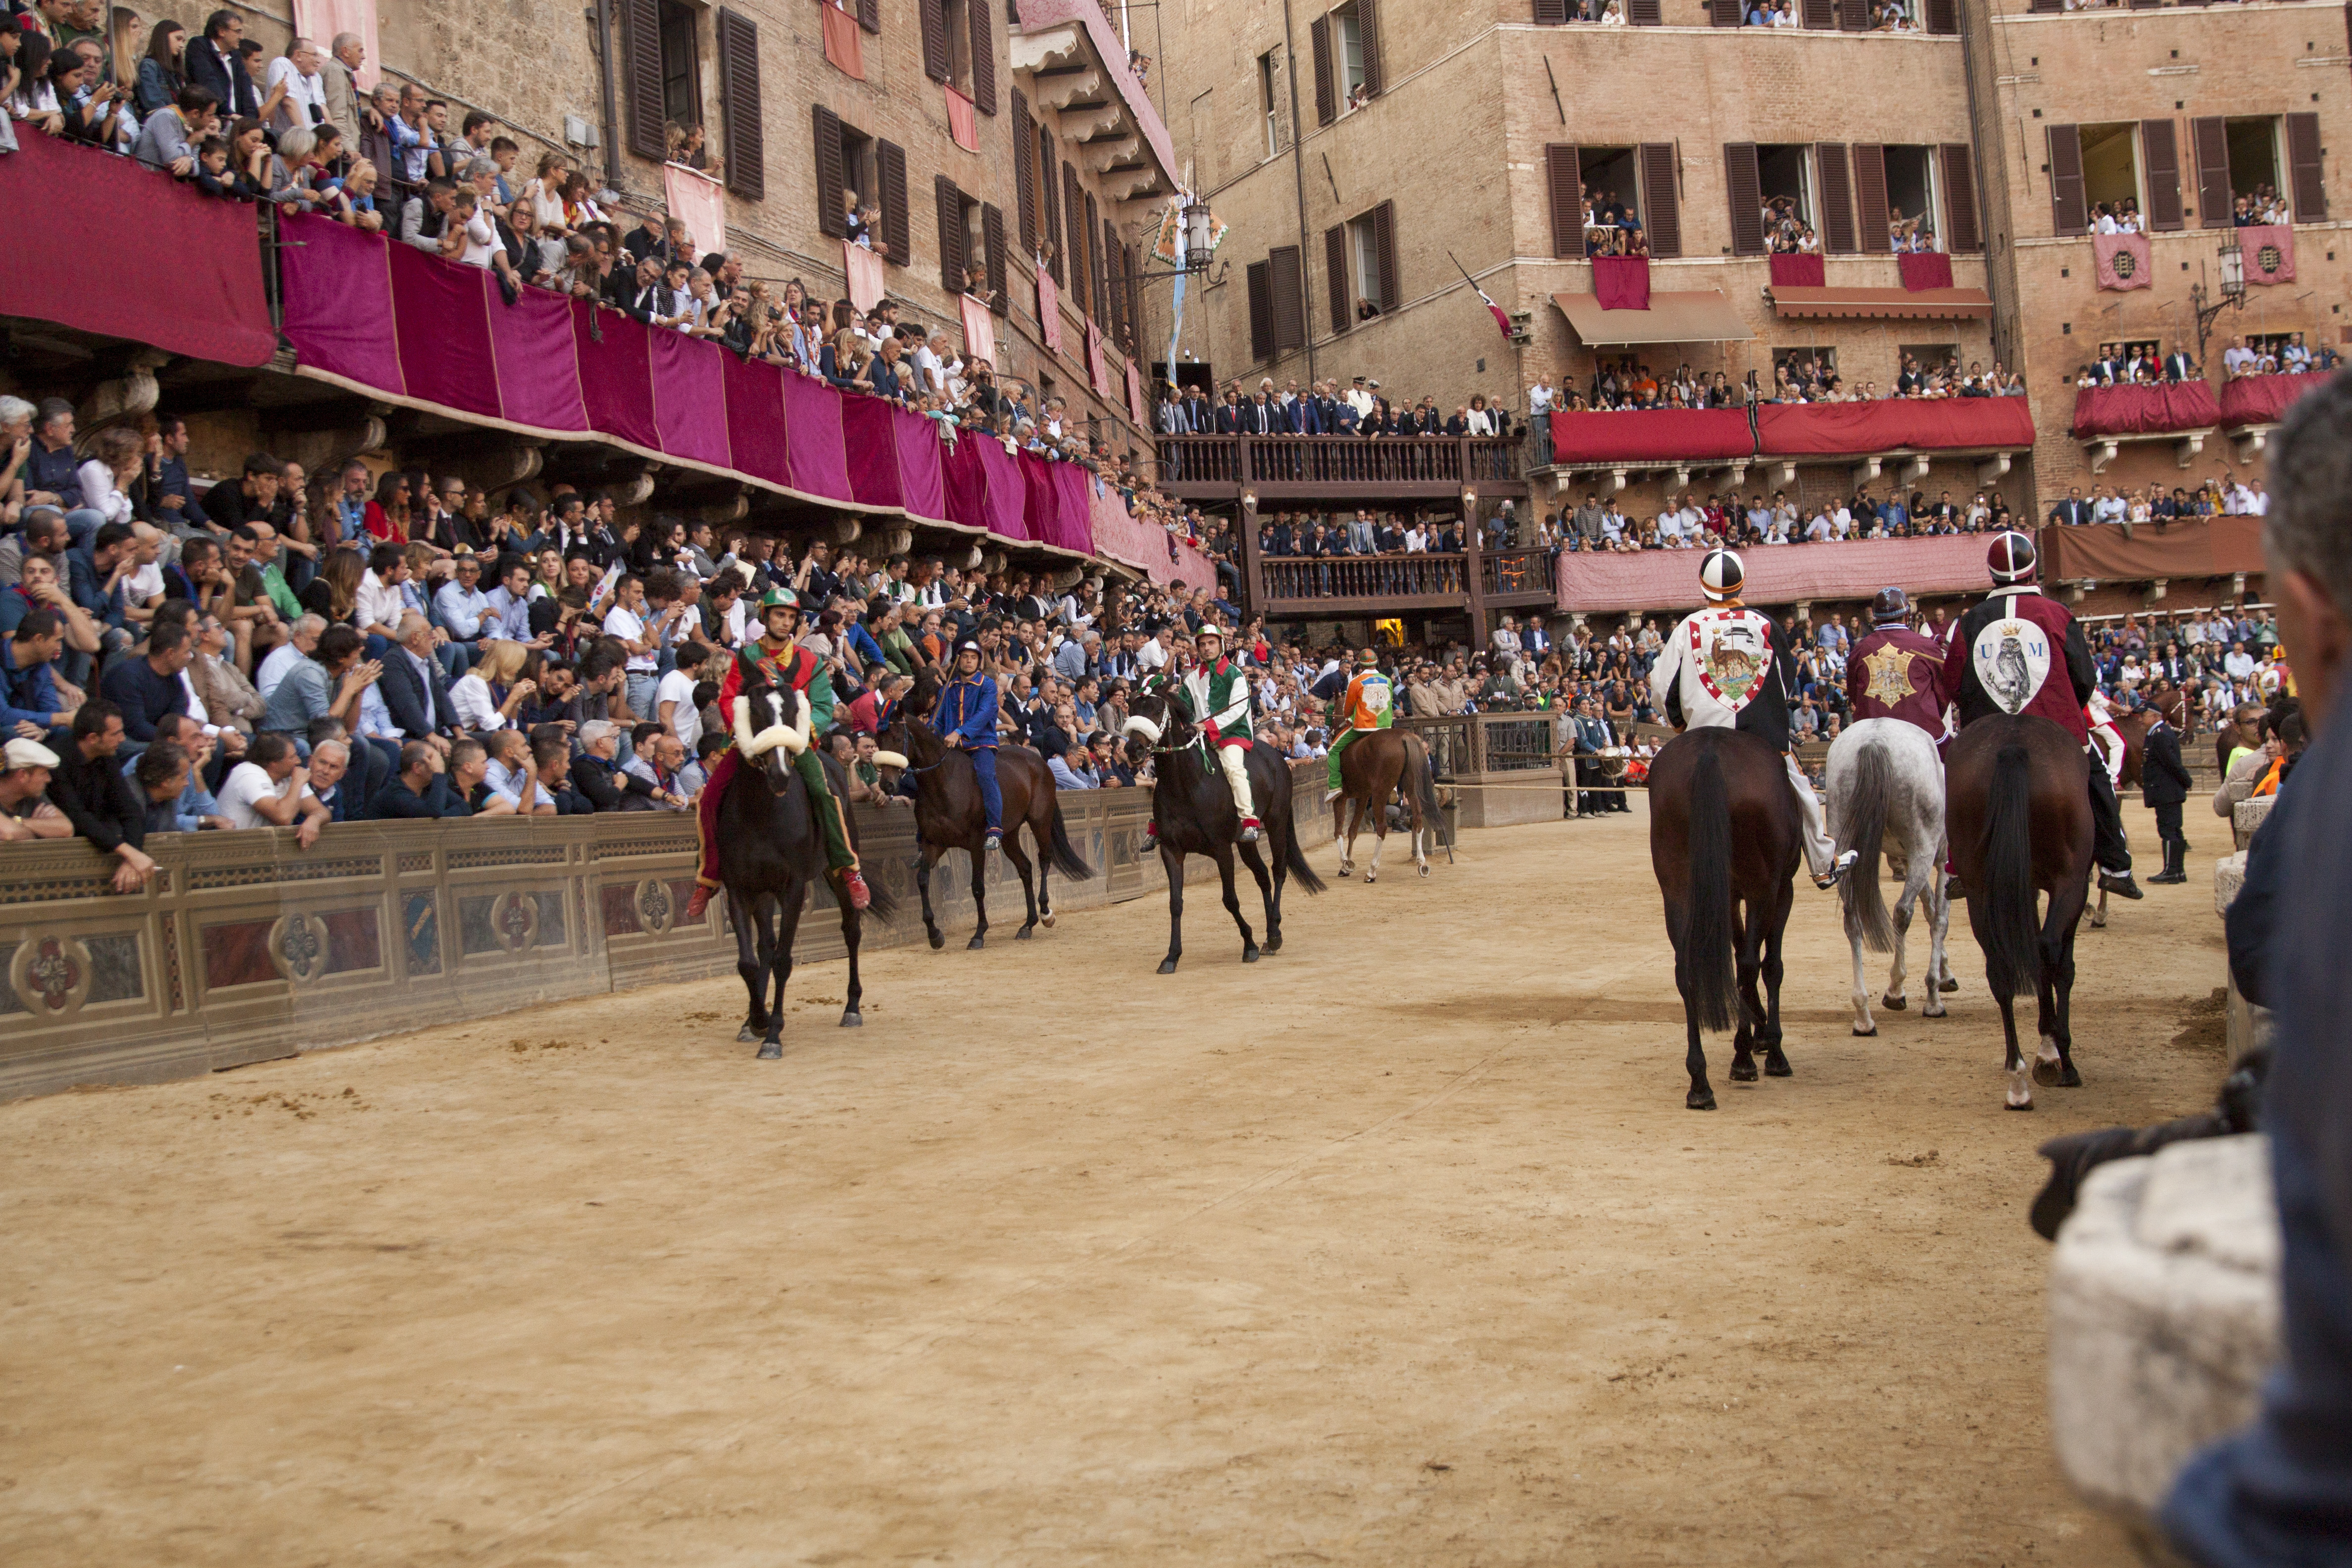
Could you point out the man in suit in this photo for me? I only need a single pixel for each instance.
(2179, 366)
(415, 690)
(1229, 414)
(2074, 509)
(2164, 785)
(1361, 540)
(1303, 416)
(1282, 540)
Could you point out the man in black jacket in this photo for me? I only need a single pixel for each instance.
(596, 771)
(414, 687)
(2164, 785)
(88, 786)
(421, 788)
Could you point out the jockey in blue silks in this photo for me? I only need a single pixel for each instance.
(966, 719)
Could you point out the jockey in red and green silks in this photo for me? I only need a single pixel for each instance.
(1218, 689)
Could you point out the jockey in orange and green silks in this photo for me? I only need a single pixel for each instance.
(1369, 704)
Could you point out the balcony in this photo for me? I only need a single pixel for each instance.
(1340, 467)
(1079, 68)
(1904, 437)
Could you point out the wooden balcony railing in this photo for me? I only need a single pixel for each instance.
(1341, 462)
(1514, 572)
(1470, 744)
(1364, 576)
(1199, 460)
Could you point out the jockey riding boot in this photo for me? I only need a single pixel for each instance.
(995, 840)
(1252, 829)
(2120, 884)
(1829, 879)
(699, 902)
(852, 882)
(1333, 793)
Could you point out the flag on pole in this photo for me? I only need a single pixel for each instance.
(1502, 320)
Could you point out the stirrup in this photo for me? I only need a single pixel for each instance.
(2120, 884)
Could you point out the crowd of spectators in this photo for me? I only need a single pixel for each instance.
(1629, 384)
(1320, 408)
(2219, 496)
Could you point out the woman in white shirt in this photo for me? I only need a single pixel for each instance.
(1481, 422)
(107, 477)
(486, 696)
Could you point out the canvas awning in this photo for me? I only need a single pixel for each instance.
(1883, 304)
(1702, 316)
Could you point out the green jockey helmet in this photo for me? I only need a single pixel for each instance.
(778, 595)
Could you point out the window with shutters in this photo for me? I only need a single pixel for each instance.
(1370, 251)
(1912, 185)
(1269, 99)
(681, 67)
(2255, 166)
(1050, 203)
(1770, 190)
(1348, 58)
(1260, 276)
(963, 260)
(1025, 173)
(1612, 178)
(1566, 192)
(861, 176)
(739, 103)
(1286, 280)
(2111, 183)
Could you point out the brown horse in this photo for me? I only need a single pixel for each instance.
(2020, 821)
(1374, 763)
(1724, 841)
(2166, 700)
(948, 815)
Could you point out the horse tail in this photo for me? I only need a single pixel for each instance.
(1706, 896)
(1425, 787)
(1293, 858)
(2012, 961)
(1868, 791)
(1061, 856)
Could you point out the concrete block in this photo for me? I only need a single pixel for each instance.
(2229, 876)
(2248, 815)
(2163, 1315)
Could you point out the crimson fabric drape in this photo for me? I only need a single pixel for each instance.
(1603, 582)
(1074, 496)
(531, 347)
(2261, 399)
(1651, 434)
(443, 336)
(338, 285)
(1924, 269)
(1007, 488)
(2144, 410)
(756, 431)
(873, 450)
(615, 358)
(1793, 429)
(1621, 283)
(922, 481)
(85, 251)
(1794, 271)
(2193, 547)
(2123, 260)
(690, 399)
(817, 459)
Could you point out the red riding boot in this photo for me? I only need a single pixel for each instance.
(852, 882)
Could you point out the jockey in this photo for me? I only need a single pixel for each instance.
(965, 718)
(1891, 673)
(1724, 667)
(2101, 718)
(1219, 690)
(2008, 656)
(1369, 704)
(788, 667)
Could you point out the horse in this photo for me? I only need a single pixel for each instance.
(770, 852)
(2020, 811)
(1371, 770)
(1724, 840)
(1193, 812)
(1886, 774)
(949, 816)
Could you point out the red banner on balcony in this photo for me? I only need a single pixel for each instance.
(1791, 270)
(923, 474)
(2264, 399)
(1146, 545)
(1003, 487)
(1136, 408)
(2144, 410)
(338, 284)
(2124, 260)
(1924, 269)
(2189, 548)
(979, 330)
(961, 123)
(872, 447)
(1049, 311)
(1894, 424)
(2269, 250)
(862, 273)
(1651, 435)
(98, 242)
(843, 45)
(1602, 581)
(1070, 526)
(1098, 369)
(1621, 283)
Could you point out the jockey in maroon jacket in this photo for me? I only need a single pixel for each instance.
(1892, 673)
(2018, 652)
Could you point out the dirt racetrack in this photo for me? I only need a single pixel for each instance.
(1396, 1248)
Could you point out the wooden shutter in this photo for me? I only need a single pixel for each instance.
(2068, 212)
(1384, 253)
(1368, 36)
(738, 105)
(829, 177)
(2306, 188)
(1662, 211)
(1854, 16)
(1562, 179)
(869, 15)
(1942, 16)
(1096, 268)
(1963, 234)
(2209, 139)
(1725, 12)
(1644, 13)
(2049, 5)
(1745, 183)
(951, 233)
(1327, 99)
(934, 14)
(2159, 156)
(1870, 197)
(1820, 16)
(1287, 285)
(1115, 295)
(1335, 277)
(982, 32)
(1024, 175)
(898, 236)
(641, 81)
(1049, 202)
(1074, 226)
(1551, 12)
(991, 235)
(1836, 187)
(1261, 310)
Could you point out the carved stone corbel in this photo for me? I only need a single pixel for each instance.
(322, 452)
(845, 529)
(112, 401)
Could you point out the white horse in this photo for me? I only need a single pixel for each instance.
(1885, 777)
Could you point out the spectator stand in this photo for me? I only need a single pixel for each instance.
(2108, 419)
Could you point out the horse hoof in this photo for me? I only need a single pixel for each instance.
(1424, 870)
(1249, 955)
(2070, 1079)
(1871, 1032)
(1934, 1010)
(1273, 944)
(746, 1035)
(1021, 935)
(1167, 966)
(1777, 1066)
(2013, 1105)
(1046, 920)
(1894, 1004)
(1949, 984)
(938, 941)
(1370, 876)
(773, 1051)
(975, 945)
(1743, 1072)
(1700, 1100)
(853, 1020)
(1345, 872)
(2047, 1074)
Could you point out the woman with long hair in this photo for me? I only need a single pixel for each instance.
(486, 696)
(334, 593)
(160, 75)
(386, 518)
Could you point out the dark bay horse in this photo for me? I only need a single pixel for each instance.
(2163, 699)
(1193, 807)
(770, 853)
(1724, 840)
(948, 815)
(2019, 818)
(1374, 763)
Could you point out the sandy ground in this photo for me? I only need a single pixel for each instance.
(1396, 1248)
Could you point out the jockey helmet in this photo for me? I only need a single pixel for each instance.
(1368, 659)
(2011, 558)
(777, 598)
(1721, 574)
(1208, 632)
(1892, 605)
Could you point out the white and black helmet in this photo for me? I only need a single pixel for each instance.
(1721, 574)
